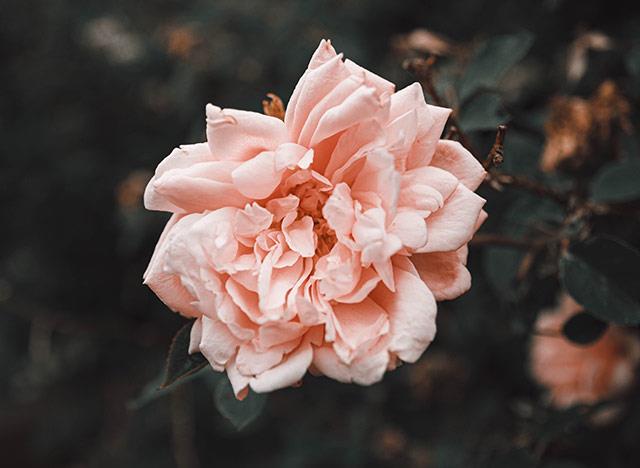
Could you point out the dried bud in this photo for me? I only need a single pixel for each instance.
(273, 106)
(579, 131)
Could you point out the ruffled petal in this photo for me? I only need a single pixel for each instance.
(240, 135)
(454, 158)
(444, 273)
(289, 372)
(412, 315)
(453, 225)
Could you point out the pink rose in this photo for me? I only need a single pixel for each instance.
(576, 374)
(321, 242)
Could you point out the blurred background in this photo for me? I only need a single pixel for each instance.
(93, 94)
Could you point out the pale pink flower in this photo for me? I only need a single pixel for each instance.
(321, 242)
(581, 374)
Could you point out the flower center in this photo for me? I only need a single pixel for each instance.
(312, 198)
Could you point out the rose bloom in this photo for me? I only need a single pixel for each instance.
(320, 242)
(581, 374)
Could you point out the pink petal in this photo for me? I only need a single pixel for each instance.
(288, 155)
(333, 98)
(454, 158)
(299, 234)
(337, 272)
(240, 135)
(338, 210)
(246, 300)
(274, 284)
(276, 333)
(195, 188)
(195, 336)
(411, 228)
(412, 313)
(367, 282)
(168, 286)
(381, 85)
(444, 272)
(453, 225)
(313, 86)
(289, 372)
(239, 382)
(360, 105)
(252, 221)
(379, 176)
(250, 361)
(364, 370)
(361, 322)
(280, 207)
(257, 178)
(217, 344)
(430, 122)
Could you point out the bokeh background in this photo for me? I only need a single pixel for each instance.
(94, 93)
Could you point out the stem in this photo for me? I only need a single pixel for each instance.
(497, 180)
(503, 241)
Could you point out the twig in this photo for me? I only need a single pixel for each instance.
(504, 241)
(422, 69)
(495, 156)
(497, 180)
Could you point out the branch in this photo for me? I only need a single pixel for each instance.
(497, 180)
(504, 241)
(422, 69)
(495, 156)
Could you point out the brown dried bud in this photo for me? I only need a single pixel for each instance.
(273, 106)
(579, 131)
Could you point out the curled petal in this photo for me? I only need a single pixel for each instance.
(257, 178)
(410, 228)
(299, 234)
(453, 225)
(412, 315)
(454, 158)
(240, 135)
(444, 273)
(217, 344)
(289, 372)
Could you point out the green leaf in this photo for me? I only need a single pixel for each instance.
(617, 183)
(633, 61)
(153, 390)
(483, 112)
(583, 328)
(180, 363)
(603, 275)
(491, 62)
(239, 413)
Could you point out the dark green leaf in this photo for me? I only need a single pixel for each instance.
(492, 60)
(180, 363)
(633, 61)
(618, 182)
(153, 390)
(483, 112)
(501, 264)
(239, 413)
(583, 328)
(602, 274)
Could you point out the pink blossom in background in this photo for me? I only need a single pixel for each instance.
(578, 374)
(319, 243)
